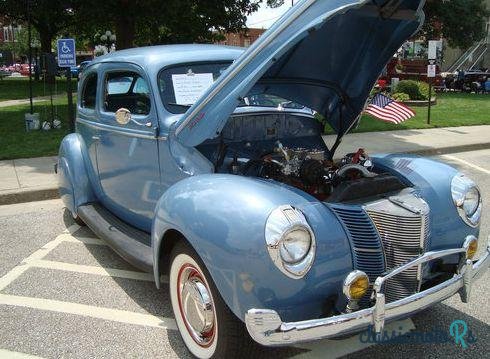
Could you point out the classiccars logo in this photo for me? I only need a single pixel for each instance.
(458, 333)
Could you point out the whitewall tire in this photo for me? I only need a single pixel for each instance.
(207, 326)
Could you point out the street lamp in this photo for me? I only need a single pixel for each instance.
(108, 39)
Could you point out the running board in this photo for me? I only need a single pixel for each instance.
(125, 240)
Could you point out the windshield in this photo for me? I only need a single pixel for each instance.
(181, 86)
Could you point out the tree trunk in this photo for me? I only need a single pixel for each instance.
(125, 31)
(45, 39)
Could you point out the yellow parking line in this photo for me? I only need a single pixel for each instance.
(116, 315)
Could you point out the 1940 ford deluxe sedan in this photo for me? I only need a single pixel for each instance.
(205, 163)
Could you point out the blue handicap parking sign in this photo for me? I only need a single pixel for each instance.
(66, 53)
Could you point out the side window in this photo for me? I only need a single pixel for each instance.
(89, 91)
(127, 90)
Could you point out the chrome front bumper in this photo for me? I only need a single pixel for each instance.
(266, 327)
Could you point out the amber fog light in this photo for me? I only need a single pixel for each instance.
(356, 285)
(471, 246)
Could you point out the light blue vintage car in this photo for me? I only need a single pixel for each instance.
(205, 163)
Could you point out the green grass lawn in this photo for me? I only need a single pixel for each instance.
(451, 110)
(14, 88)
(15, 142)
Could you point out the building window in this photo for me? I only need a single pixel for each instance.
(246, 42)
(6, 34)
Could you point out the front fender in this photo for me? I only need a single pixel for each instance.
(223, 217)
(432, 180)
(73, 182)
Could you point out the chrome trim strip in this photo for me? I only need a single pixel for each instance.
(271, 112)
(266, 327)
(105, 127)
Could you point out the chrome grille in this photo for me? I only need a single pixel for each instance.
(364, 240)
(402, 225)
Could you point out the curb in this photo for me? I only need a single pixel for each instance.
(29, 195)
(45, 193)
(453, 149)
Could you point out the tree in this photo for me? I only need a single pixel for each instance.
(460, 22)
(148, 22)
(48, 17)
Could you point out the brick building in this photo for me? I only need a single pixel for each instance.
(8, 34)
(243, 39)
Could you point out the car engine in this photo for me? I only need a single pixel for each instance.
(307, 169)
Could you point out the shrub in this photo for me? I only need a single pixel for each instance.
(424, 90)
(414, 89)
(400, 96)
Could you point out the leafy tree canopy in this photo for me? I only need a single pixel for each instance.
(460, 22)
(149, 22)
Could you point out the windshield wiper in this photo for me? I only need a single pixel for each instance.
(179, 104)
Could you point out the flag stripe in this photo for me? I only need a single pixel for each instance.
(403, 109)
(384, 113)
(382, 116)
(403, 116)
(386, 109)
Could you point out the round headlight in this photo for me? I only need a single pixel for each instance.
(471, 201)
(290, 241)
(467, 199)
(295, 245)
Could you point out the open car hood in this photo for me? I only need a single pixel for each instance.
(325, 55)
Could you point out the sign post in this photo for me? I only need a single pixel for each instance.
(431, 71)
(67, 58)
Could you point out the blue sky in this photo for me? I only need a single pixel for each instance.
(266, 16)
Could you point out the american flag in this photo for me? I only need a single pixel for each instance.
(387, 109)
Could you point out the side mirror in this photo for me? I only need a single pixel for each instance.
(123, 116)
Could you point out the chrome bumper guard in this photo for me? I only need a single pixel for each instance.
(266, 327)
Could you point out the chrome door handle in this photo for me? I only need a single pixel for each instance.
(96, 138)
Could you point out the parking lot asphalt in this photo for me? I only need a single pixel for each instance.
(64, 293)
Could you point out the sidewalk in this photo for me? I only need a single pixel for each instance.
(424, 142)
(33, 179)
(28, 179)
(8, 103)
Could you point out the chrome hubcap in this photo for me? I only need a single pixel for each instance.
(196, 306)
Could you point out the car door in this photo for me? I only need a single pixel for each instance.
(88, 123)
(127, 155)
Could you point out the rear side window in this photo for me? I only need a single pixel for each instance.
(89, 91)
(127, 90)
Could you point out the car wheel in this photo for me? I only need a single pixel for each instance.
(207, 326)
